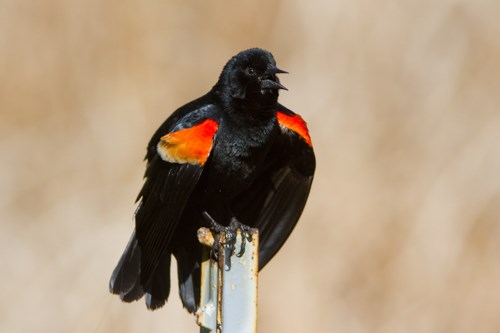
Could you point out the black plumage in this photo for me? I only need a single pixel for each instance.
(232, 153)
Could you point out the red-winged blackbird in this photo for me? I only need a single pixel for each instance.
(234, 154)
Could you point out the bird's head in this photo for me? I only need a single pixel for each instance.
(251, 74)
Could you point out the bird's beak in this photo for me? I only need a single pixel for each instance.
(269, 83)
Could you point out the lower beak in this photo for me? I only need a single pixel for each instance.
(270, 84)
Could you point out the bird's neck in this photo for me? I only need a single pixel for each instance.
(259, 106)
(252, 113)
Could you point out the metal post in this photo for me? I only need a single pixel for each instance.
(228, 302)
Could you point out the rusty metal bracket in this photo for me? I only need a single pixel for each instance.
(228, 302)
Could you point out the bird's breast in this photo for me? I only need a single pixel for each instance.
(238, 154)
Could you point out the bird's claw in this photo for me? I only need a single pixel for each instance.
(246, 234)
(231, 233)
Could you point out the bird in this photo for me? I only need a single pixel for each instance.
(233, 158)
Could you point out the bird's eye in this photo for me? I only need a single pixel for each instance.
(251, 70)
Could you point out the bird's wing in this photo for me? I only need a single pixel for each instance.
(171, 175)
(276, 199)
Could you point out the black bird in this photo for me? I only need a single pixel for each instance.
(235, 156)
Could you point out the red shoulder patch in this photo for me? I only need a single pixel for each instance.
(295, 123)
(191, 145)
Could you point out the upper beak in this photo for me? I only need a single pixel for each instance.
(275, 70)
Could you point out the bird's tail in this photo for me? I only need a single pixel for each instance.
(126, 278)
(188, 270)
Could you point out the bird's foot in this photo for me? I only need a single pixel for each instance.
(230, 233)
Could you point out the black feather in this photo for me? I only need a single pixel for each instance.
(126, 273)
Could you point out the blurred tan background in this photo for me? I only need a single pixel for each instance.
(402, 229)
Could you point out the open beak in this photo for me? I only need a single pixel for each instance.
(269, 83)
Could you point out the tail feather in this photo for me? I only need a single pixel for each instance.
(158, 291)
(127, 271)
(188, 270)
(126, 277)
(134, 294)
